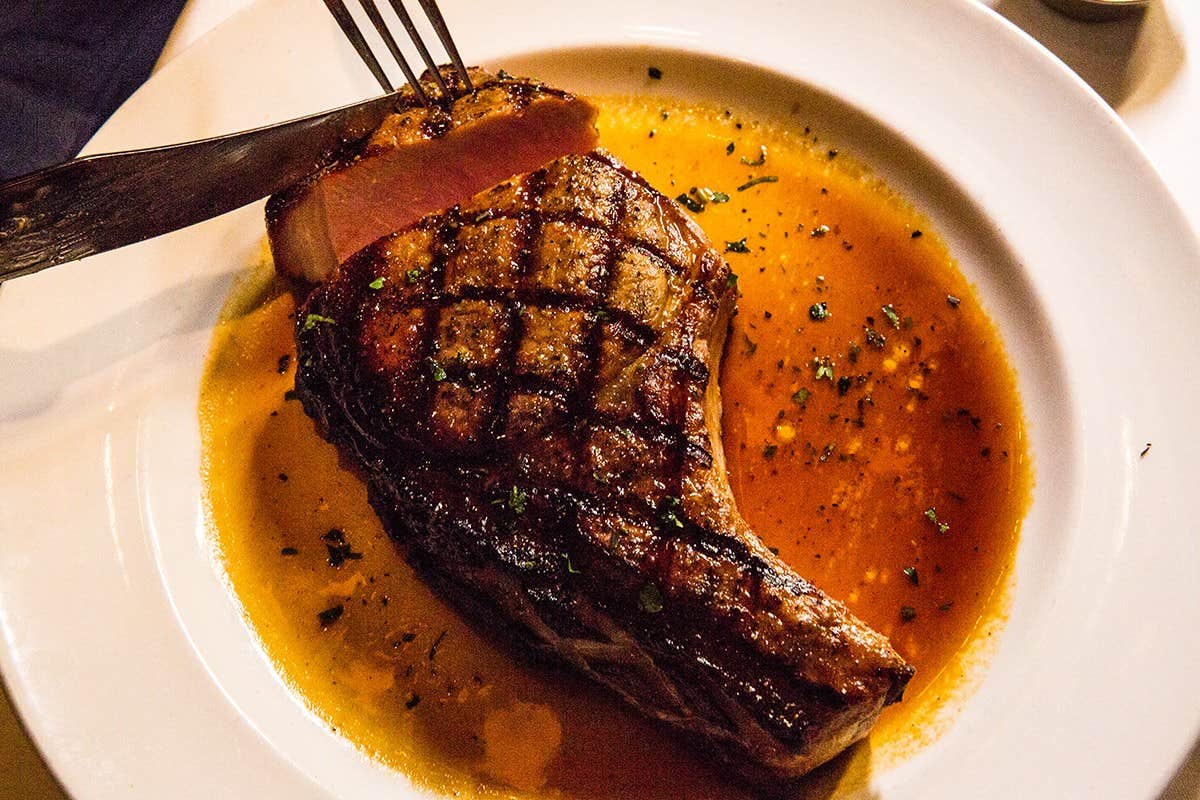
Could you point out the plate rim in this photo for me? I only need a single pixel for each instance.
(1123, 133)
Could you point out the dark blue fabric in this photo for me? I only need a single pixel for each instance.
(65, 66)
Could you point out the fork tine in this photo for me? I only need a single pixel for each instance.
(414, 34)
(346, 23)
(377, 20)
(439, 24)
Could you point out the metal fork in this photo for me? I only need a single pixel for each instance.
(350, 28)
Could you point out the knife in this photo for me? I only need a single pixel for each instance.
(98, 203)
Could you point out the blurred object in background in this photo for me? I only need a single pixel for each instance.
(1098, 10)
(65, 66)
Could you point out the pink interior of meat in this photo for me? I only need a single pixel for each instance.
(378, 195)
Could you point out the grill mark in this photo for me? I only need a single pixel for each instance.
(589, 384)
(570, 218)
(530, 232)
(444, 243)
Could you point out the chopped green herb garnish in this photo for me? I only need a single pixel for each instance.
(824, 368)
(650, 598)
(690, 203)
(932, 514)
(516, 500)
(907, 613)
(913, 577)
(503, 75)
(669, 514)
(953, 301)
(412, 276)
(436, 371)
(946, 606)
(801, 395)
(312, 320)
(853, 352)
(758, 162)
(889, 311)
(737, 247)
(570, 567)
(712, 196)
(750, 347)
(819, 231)
(655, 73)
(874, 337)
(757, 181)
(819, 311)
(375, 285)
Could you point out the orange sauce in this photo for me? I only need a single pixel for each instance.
(837, 477)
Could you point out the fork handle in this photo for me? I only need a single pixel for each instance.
(90, 205)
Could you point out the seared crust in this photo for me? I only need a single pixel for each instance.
(528, 381)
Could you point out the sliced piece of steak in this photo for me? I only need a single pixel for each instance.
(528, 382)
(424, 160)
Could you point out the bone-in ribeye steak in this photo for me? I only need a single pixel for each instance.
(528, 382)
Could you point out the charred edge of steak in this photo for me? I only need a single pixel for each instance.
(667, 603)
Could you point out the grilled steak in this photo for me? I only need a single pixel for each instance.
(528, 381)
(424, 160)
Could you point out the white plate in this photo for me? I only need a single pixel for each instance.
(127, 656)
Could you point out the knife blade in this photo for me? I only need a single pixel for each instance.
(89, 205)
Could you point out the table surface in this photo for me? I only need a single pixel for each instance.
(1140, 66)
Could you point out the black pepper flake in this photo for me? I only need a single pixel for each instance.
(655, 73)
(843, 385)
(770, 450)
(433, 648)
(729, 149)
(289, 551)
(1145, 450)
(339, 549)
(412, 701)
(907, 613)
(331, 615)
(285, 361)
(953, 301)
(915, 234)
(832, 153)
(290, 394)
